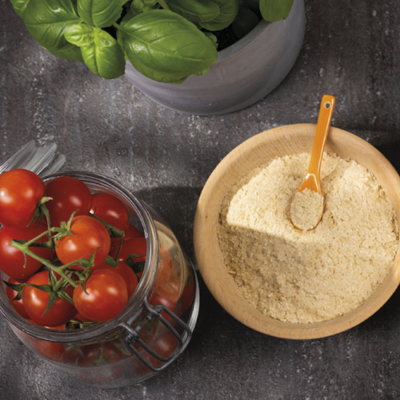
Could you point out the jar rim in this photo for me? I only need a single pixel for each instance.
(135, 303)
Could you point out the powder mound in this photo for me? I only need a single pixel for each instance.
(306, 209)
(315, 275)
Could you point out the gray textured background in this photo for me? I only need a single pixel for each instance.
(352, 51)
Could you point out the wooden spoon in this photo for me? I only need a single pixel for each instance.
(307, 205)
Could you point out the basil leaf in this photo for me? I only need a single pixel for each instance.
(139, 6)
(19, 6)
(195, 10)
(165, 47)
(100, 51)
(47, 20)
(100, 13)
(229, 10)
(68, 51)
(275, 10)
(212, 38)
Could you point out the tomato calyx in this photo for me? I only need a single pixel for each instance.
(112, 230)
(18, 287)
(41, 210)
(54, 289)
(74, 324)
(137, 266)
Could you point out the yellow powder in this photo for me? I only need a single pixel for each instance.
(316, 275)
(306, 209)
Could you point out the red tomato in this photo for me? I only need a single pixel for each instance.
(81, 318)
(17, 304)
(164, 346)
(56, 351)
(69, 194)
(135, 247)
(126, 273)
(105, 297)
(132, 232)
(89, 236)
(52, 350)
(20, 192)
(36, 300)
(110, 209)
(12, 260)
(166, 294)
(98, 355)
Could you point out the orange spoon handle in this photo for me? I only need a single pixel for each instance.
(312, 181)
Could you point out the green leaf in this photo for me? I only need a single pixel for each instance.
(229, 10)
(275, 10)
(68, 51)
(100, 51)
(19, 6)
(139, 6)
(213, 39)
(100, 13)
(195, 10)
(47, 20)
(165, 47)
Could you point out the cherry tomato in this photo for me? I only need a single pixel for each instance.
(135, 246)
(100, 355)
(105, 297)
(12, 260)
(20, 192)
(56, 351)
(68, 195)
(133, 232)
(110, 209)
(164, 346)
(17, 304)
(166, 294)
(36, 300)
(126, 273)
(89, 236)
(81, 318)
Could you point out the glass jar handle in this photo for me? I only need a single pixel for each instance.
(183, 340)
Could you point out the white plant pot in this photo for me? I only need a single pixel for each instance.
(244, 73)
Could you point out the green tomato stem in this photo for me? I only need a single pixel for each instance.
(25, 249)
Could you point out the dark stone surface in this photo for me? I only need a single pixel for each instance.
(352, 51)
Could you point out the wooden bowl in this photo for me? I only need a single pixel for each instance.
(256, 151)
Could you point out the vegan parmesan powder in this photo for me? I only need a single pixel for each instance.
(315, 275)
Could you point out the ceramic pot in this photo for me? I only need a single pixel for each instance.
(244, 73)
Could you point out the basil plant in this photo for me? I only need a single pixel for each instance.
(165, 40)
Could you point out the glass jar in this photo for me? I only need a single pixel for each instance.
(151, 332)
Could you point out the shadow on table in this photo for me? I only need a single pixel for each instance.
(392, 153)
